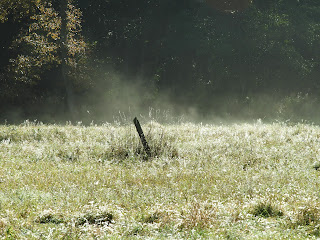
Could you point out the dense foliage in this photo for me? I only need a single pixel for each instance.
(193, 51)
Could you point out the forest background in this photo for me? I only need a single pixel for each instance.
(89, 60)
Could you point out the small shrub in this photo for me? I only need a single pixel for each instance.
(266, 210)
(49, 217)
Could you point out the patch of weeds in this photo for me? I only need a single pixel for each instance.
(3, 225)
(69, 233)
(24, 213)
(130, 145)
(316, 231)
(104, 218)
(231, 236)
(151, 218)
(160, 142)
(307, 216)
(198, 216)
(119, 152)
(136, 230)
(194, 234)
(250, 162)
(71, 156)
(236, 215)
(10, 233)
(121, 147)
(59, 133)
(49, 217)
(266, 210)
(159, 147)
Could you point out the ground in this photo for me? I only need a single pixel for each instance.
(239, 181)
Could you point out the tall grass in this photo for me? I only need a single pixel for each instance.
(250, 181)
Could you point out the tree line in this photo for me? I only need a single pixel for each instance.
(67, 56)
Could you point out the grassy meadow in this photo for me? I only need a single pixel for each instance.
(240, 181)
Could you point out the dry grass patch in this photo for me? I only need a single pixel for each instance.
(198, 216)
(306, 216)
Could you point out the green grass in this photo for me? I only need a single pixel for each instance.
(247, 181)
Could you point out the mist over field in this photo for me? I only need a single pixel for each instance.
(129, 99)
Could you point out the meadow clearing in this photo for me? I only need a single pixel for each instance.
(238, 181)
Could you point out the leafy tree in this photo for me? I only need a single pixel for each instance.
(52, 40)
(17, 9)
(41, 44)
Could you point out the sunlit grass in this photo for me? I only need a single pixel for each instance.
(255, 181)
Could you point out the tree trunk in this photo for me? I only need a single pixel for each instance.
(64, 60)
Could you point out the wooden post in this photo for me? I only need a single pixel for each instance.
(142, 137)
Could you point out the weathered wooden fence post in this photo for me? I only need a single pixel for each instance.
(142, 137)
